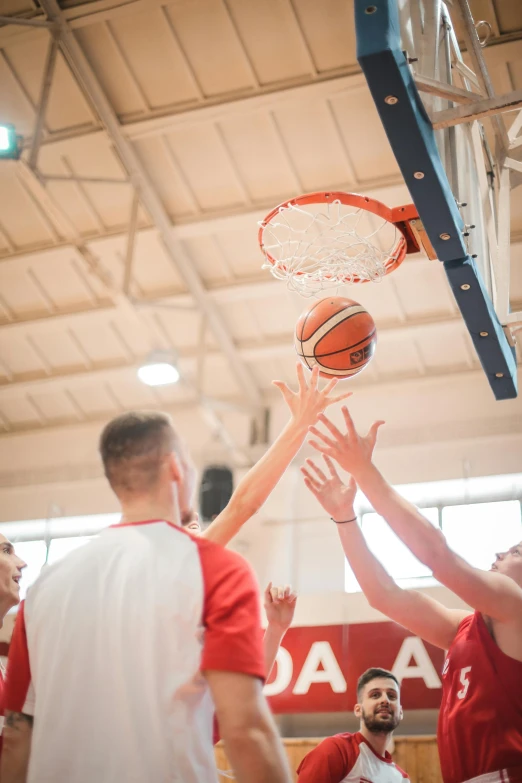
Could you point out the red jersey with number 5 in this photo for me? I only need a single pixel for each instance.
(480, 719)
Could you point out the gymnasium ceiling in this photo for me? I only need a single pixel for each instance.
(224, 108)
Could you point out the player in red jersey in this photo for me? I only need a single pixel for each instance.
(10, 574)
(480, 719)
(351, 758)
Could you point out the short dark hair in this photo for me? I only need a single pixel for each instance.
(373, 674)
(132, 448)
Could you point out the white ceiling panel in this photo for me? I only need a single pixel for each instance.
(363, 135)
(314, 145)
(287, 57)
(21, 412)
(18, 355)
(231, 107)
(149, 48)
(96, 400)
(168, 178)
(260, 155)
(207, 164)
(22, 219)
(329, 30)
(67, 105)
(208, 37)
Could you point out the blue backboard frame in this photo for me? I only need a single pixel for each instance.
(412, 140)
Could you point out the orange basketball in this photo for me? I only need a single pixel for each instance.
(338, 334)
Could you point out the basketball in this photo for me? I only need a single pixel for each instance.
(338, 334)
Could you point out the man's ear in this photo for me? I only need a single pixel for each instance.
(357, 710)
(175, 469)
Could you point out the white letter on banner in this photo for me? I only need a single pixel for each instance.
(413, 647)
(285, 669)
(320, 653)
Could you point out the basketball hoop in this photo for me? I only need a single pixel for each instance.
(320, 240)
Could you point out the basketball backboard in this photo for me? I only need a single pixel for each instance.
(447, 131)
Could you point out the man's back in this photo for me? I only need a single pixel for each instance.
(116, 641)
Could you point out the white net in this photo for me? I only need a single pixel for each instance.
(321, 245)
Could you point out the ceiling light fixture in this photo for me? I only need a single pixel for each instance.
(9, 142)
(159, 370)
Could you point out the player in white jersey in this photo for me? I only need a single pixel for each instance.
(121, 645)
(351, 758)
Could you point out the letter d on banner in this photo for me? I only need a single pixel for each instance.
(285, 669)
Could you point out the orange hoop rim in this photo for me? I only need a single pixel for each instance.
(399, 217)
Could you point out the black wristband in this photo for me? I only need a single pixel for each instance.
(343, 521)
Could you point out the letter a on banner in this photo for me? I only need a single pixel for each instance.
(413, 647)
(320, 653)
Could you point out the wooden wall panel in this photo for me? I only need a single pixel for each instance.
(418, 756)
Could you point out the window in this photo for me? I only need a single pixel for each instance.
(479, 530)
(475, 531)
(62, 546)
(392, 553)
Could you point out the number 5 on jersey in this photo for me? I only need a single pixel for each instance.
(464, 680)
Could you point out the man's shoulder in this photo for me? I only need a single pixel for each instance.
(346, 742)
(220, 556)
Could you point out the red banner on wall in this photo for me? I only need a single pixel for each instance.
(318, 667)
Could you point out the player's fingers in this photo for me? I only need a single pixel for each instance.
(301, 377)
(372, 433)
(274, 592)
(340, 397)
(319, 473)
(268, 593)
(326, 440)
(330, 426)
(285, 390)
(330, 465)
(330, 386)
(322, 448)
(310, 486)
(292, 598)
(313, 482)
(314, 378)
(287, 591)
(350, 426)
(281, 593)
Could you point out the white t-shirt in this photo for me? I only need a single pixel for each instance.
(107, 651)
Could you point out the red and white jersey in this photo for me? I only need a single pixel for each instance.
(108, 649)
(2, 699)
(480, 719)
(348, 758)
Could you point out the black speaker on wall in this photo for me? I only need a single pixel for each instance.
(215, 491)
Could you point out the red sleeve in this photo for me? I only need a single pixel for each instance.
(232, 613)
(329, 762)
(18, 677)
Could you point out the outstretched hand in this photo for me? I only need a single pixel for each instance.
(336, 498)
(309, 401)
(280, 606)
(351, 451)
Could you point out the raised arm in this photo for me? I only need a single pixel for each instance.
(279, 607)
(417, 612)
(305, 406)
(494, 594)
